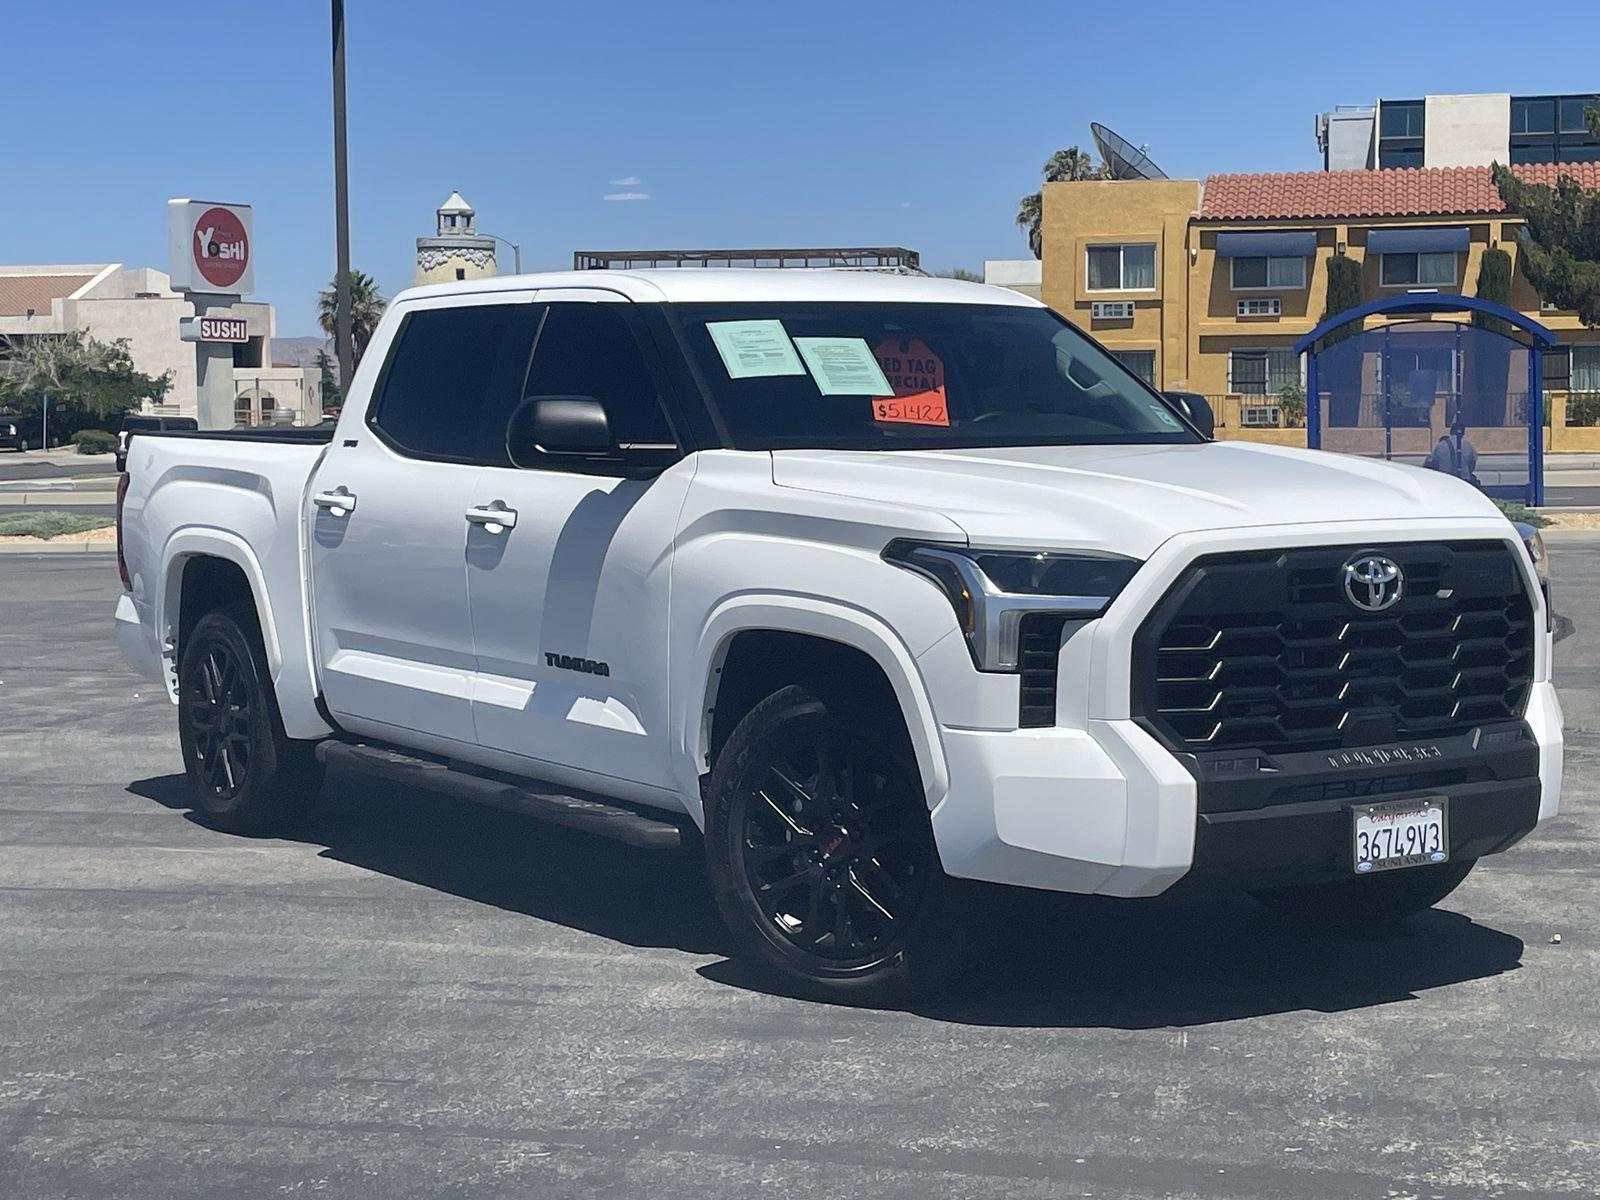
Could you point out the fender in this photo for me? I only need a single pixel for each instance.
(297, 703)
(816, 617)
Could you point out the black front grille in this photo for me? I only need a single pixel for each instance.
(1040, 652)
(1263, 650)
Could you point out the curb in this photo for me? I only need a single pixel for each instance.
(63, 548)
(62, 499)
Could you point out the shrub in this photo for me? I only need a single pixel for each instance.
(94, 441)
(1292, 404)
(49, 524)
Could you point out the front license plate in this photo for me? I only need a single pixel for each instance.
(1400, 833)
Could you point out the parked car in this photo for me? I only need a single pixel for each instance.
(873, 586)
(21, 432)
(141, 423)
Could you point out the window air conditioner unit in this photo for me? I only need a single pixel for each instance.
(1260, 306)
(1111, 310)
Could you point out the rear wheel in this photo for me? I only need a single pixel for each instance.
(821, 853)
(244, 772)
(22, 446)
(1367, 904)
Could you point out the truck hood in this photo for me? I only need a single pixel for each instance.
(1128, 499)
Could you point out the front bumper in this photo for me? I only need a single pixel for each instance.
(1107, 809)
(1096, 804)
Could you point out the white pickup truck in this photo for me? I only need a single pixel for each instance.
(877, 584)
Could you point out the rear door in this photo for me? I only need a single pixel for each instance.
(388, 534)
(569, 604)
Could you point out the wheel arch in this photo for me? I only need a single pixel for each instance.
(203, 569)
(748, 635)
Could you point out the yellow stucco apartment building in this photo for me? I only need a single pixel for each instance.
(1204, 286)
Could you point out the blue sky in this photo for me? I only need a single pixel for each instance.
(916, 124)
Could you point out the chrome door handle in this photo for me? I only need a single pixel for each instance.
(341, 502)
(494, 517)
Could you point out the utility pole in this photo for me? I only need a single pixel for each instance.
(341, 206)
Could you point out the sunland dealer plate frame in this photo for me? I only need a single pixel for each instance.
(1396, 834)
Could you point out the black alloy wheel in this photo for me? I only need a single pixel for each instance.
(821, 852)
(831, 855)
(220, 714)
(245, 773)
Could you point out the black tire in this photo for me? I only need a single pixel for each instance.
(1369, 904)
(22, 446)
(245, 774)
(821, 853)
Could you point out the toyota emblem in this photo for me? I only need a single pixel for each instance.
(1373, 583)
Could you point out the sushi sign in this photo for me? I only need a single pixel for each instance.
(210, 247)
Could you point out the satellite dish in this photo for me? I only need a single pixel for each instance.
(1126, 160)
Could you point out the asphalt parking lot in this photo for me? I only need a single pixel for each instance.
(417, 997)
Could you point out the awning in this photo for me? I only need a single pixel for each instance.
(1274, 243)
(1436, 240)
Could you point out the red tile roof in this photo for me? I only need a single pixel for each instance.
(1396, 192)
(19, 293)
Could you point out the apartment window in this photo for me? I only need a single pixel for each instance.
(1269, 272)
(1400, 133)
(1585, 370)
(1128, 268)
(1418, 270)
(1552, 129)
(1262, 372)
(1555, 368)
(1141, 362)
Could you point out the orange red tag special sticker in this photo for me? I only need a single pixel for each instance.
(916, 374)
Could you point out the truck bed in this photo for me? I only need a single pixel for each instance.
(307, 435)
(238, 495)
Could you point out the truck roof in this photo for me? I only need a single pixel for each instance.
(713, 284)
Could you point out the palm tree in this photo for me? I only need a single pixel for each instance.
(366, 307)
(1069, 164)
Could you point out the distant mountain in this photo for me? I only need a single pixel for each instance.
(300, 351)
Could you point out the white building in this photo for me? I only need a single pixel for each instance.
(1025, 275)
(111, 303)
(1461, 130)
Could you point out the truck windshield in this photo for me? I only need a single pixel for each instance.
(879, 376)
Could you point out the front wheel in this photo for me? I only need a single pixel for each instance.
(1367, 904)
(244, 772)
(22, 446)
(821, 853)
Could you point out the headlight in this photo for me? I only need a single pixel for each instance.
(1534, 542)
(992, 590)
(11, 431)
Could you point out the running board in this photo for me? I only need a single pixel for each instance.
(592, 814)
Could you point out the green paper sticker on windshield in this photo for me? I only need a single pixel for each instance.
(1165, 417)
(754, 349)
(843, 366)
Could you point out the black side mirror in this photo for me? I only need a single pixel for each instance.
(567, 429)
(1197, 408)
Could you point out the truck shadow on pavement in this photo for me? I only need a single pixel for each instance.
(1055, 961)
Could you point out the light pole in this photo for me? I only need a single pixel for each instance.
(516, 250)
(341, 210)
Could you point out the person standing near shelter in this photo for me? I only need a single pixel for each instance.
(1454, 454)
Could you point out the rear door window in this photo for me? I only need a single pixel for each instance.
(452, 377)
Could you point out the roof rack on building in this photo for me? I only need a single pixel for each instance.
(896, 259)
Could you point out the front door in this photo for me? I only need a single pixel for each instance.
(568, 605)
(388, 525)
